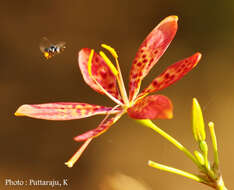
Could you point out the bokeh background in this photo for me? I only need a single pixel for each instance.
(37, 149)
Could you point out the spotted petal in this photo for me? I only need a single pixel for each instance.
(100, 71)
(152, 107)
(150, 51)
(172, 74)
(62, 111)
(104, 126)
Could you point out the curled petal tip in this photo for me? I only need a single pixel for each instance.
(171, 18)
(77, 155)
(20, 111)
(17, 114)
(174, 17)
(69, 164)
(198, 56)
(169, 114)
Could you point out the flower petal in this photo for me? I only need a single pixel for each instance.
(172, 74)
(62, 110)
(100, 71)
(103, 127)
(152, 107)
(150, 51)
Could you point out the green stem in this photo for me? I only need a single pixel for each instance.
(150, 124)
(214, 143)
(175, 171)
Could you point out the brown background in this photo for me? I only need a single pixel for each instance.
(37, 149)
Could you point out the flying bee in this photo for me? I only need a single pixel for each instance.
(49, 49)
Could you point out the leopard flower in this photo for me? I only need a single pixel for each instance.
(106, 78)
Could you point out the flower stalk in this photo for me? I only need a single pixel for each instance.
(214, 143)
(150, 124)
(211, 176)
(175, 171)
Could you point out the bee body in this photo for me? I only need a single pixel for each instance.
(49, 50)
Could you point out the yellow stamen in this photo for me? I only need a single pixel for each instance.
(77, 155)
(111, 50)
(109, 63)
(100, 86)
(90, 62)
(119, 76)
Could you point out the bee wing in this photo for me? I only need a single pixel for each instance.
(61, 44)
(44, 43)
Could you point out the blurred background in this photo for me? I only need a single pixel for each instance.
(37, 149)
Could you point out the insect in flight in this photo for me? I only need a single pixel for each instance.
(51, 49)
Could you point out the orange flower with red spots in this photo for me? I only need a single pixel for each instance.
(101, 75)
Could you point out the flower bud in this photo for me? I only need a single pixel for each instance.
(198, 122)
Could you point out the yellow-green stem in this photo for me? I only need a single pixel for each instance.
(150, 124)
(214, 143)
(175, 171)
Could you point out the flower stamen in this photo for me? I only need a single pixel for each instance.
(110, 49)
(99, 85)
(119, 76)
(109, 63)
(77, 155)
